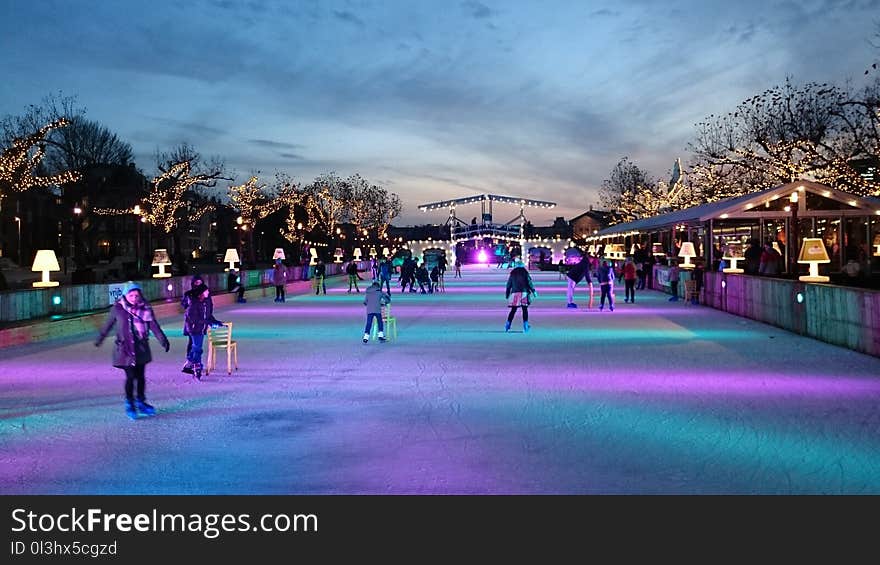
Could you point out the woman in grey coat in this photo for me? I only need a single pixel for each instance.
(133, 318)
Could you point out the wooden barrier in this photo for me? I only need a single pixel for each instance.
(165, 303)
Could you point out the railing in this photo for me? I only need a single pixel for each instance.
(486, 230)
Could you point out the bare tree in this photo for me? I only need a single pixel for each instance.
(630, 193)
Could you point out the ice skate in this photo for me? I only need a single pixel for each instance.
(507, 326)
(382, 337)
(571, 305)
(197, 371)
(526, 327)
(366, 338)
(187, 368)
(145, 409)
(130, 411)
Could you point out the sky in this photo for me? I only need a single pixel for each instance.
(429, 99)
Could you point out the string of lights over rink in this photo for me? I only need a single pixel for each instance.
(656, 397)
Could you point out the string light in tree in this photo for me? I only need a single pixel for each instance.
(18, 162)
(167, 201)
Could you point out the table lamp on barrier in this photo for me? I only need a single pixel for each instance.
(279, 254)
(687, 251)
(337, 256)
(160, 259)
(45, 261)
(231, 257)
(733, 252)
(813, 252)
(357, 254)
(313, 253)
(657, 249)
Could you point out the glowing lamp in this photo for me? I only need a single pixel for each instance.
(481, 256)
(877, 245)
(357, 253)
(615, 251)
(314, 254)
(591, 250)
(279, 254)
(813, 252)
(373, 252)
(338, 255)
(733, 252)
(160, 259)
(687, 251)
(231, 257)
(657, 248)
(45, 261)
(385, 252)
(633, 249)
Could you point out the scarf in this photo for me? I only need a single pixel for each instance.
(141, 316)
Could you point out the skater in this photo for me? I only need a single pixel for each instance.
(423, 279)
(374, 300)
(374, 268)
(353, 277)
(134, 319)
(198, 316)
(629, 280)
(279, 279)
(673, 282)
(435, 279)
(318, 281)
(606, 283)
(519, 293)
(386, 269)
(457, 268)
(441, 264)
(408, 274)
(197, 280)
(234, 283)
(574, 275)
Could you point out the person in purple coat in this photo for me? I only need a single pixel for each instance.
(133, 319)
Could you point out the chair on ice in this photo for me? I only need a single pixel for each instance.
(221, 338)
(388, 321)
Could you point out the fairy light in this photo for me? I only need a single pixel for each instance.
(18, 162)
(163, 205)
(252, 202)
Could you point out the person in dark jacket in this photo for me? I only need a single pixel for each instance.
(318, 281)
(185, 300)
(629, 280)
(519, 293)
(576, 274)
(606, 283)
(374, 300)
(134, 320)
(423, 279)
(386, 268)
(198, 316)
(753, 257)
(353, 277)
(279, 279)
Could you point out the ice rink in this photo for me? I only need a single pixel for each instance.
(656, 397)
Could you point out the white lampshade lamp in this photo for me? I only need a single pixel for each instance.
(657, 249)
(813, 252)
(591, 249)
(614, 251)
(160, 259)
(633, 249)
(45, 261)
(877, 245)
(231, 257)
(373, 252)
(279, 254)
(357, 253)
(687, 251)
(314, 254)
(733, 252)
(338, 255)
(385, 252)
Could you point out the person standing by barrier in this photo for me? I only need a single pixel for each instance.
(279, 279)
(134, 320)
(457, 268)
(519, 293)
(629, 280)
(606, 283)
(352, 271)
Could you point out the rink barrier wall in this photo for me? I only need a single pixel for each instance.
(840, 315)
(83, 308)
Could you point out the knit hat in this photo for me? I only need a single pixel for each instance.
(195, 277)
(198, 289)
(130, 286)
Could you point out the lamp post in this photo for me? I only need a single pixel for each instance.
(793, 235)
(137, 214)
(18, 221)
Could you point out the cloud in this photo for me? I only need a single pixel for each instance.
(604, 12)
(292, 156)
(269, 144)
(477, 10)
(348, 17)
(190, 127)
